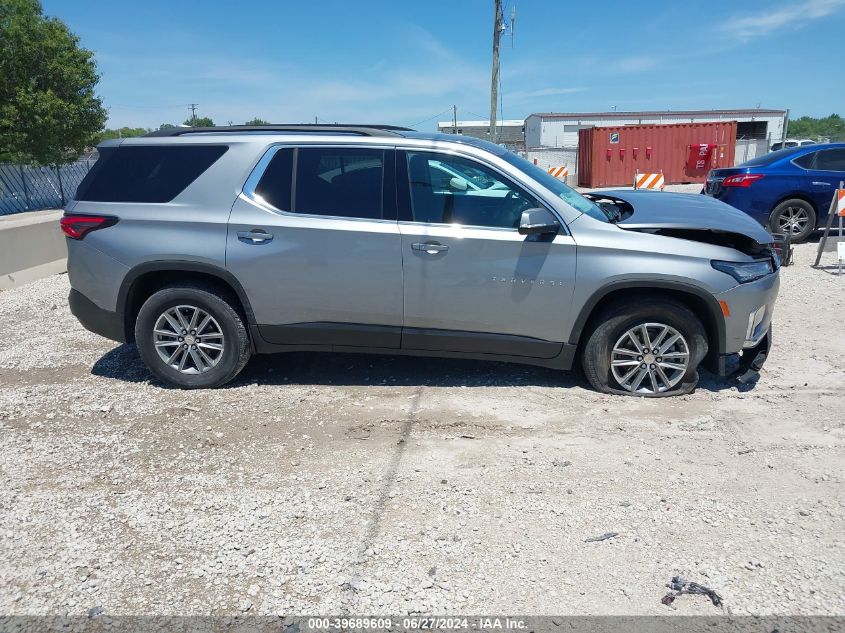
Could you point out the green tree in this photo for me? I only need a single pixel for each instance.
(124, 132)
(200, 121)
(257, 121)
(166, 126)
(832, 127)
(49, 113)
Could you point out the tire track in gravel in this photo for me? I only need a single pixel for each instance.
(374, 524)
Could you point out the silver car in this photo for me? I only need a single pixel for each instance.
(207, 245)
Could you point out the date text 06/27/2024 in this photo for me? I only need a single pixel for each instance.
(416, 623)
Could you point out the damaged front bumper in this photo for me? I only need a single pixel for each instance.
(745, 366)
(751, 361)
(748, 327)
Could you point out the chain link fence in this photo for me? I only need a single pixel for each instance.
(24, 188)
(746, 149)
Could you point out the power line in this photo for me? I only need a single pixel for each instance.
(439, 114)
(193, 107)
(480, 117)
(134, 106)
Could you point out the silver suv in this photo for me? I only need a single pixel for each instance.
(206, 245)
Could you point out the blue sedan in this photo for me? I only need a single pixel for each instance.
(787, 191)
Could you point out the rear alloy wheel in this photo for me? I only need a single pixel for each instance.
(188, 339)
(651, 349)
(192, 336)
(795, 218)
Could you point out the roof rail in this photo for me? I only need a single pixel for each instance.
(340, 128)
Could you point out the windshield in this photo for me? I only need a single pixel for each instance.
(558, 187)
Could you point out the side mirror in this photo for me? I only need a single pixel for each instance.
(458, 184)
(538, 222)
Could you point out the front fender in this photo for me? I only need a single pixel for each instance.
(712, 317)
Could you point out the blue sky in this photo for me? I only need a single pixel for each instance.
(407, 62)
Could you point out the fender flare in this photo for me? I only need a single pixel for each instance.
(715, 312)
(183, 266)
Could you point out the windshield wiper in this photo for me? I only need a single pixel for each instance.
(612, 212)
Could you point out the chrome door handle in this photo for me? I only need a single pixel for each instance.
(821, 184)
(255, 236)
(429, 247)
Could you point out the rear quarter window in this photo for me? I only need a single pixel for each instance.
(146, 173)
(806, 161)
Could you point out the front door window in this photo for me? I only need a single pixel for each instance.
(447, 189)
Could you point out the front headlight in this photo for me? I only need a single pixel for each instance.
(744, 272)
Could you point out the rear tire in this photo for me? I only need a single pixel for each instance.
(209, 352)
(795, 217)
(621, 336)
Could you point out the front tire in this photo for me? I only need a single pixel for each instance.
(795, 217)
(191, 336)
(650, 348)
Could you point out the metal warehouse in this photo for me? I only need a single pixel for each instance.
(561, 129)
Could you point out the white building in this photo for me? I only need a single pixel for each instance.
(561, 129)
(509, 132)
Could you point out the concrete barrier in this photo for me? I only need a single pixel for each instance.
(31, 247)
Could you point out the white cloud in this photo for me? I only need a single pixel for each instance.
(789, 16)
(424, 39)
(635, 64)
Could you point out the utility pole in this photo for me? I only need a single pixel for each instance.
(785, 130)
(454, 119)
(193, 107)
(494, 80)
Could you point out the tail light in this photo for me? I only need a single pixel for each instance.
(78, 226)
(741, 180)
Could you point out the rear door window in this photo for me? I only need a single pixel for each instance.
(339, 182)
(330, 181)
(831, 160)
(146, 173)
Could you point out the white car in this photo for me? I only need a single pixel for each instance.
(791, 142)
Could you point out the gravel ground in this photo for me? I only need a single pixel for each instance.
(363, 484)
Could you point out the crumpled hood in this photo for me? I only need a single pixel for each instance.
(664, 210)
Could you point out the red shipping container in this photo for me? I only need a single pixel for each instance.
(610, 156)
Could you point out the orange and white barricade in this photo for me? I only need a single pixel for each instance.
(837, 210)
(559, 172)
(840, 211)
(649, 181)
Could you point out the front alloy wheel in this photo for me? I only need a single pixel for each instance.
(650, 358)
(645, 346)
